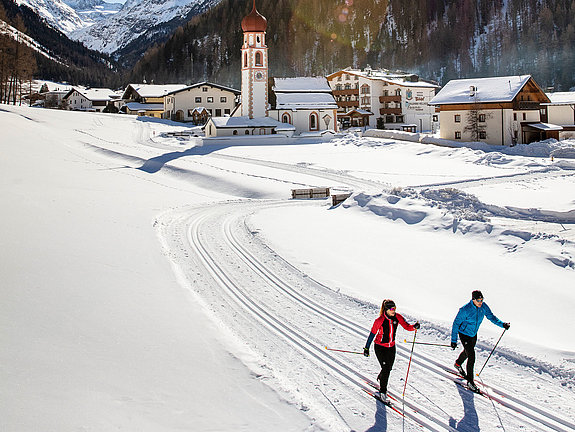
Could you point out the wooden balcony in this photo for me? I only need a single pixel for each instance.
(384, 99)
(348, 104)
(346, 92)
(526, 105)
(390, 111)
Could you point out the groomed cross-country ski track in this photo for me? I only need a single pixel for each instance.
(280, 320)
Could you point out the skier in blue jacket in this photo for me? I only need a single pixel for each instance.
(466, 325)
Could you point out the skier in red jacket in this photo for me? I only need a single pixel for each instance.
(383, 331)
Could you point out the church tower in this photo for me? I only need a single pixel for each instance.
(254, 65)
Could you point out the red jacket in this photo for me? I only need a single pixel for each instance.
(385, 327)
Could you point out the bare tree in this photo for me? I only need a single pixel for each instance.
(476, 121)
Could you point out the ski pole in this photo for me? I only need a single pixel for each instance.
(343, 351)
(409, 364)
(429, 343)
(492, 351)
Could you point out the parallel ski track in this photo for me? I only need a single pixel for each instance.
(514, 404)
(291, 336)
(418, 414)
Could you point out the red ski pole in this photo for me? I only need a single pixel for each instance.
(409, 364)
(343, 351)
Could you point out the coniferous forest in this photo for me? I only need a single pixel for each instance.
(438, 39)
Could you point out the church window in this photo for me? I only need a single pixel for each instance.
(286, 118)
(245, 59)
(247, 132)
(313, 123)
(259, 59)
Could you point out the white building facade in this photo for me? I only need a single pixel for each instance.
(500, 111)
(561, 111)
(217, 100)
(397, 100)
(95, 99)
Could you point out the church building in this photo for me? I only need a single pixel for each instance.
(298, 105)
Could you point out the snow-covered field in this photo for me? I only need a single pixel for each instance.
(156, 283)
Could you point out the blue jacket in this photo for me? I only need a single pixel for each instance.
(469, 319)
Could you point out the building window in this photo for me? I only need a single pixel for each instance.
(398, 92)
(346, 77)
(434, 118)
(246, 59)
(210, 99)
(204, 89)
(482, 118)
(198, 100)
(524, 116)
(259, 59)
(286, 118)
(399, 119)
(514, 116)
(365, 100)
(348, 86)
(247, 132)
(223, 99)
(190, 113)
(339, 78)
(482, 135)
(338, 87)
(218, 112)
(227, 111)
(313, 123)
(457, 118)
(457, 135)
(365, 89)
(235, 132)
(355, 77)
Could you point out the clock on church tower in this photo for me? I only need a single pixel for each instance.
(254, 65)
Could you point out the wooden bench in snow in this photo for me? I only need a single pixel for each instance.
(339, 198)
(310, 193)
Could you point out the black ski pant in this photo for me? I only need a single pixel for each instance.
(467, 353)
(385, 357)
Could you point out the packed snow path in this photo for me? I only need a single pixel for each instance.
(287, 319)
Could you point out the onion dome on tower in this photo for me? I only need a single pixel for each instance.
(254, 22)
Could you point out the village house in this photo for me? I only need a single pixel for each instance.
(500, 110)
(561, 111)
(93, 99)
(198, 102)
(286, 106)
(383, 99)
(147, 99)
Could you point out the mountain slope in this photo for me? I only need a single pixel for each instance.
(140, 19)
(439, 39)
(62, 59)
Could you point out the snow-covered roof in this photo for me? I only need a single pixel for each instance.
(546, 126)
(301, 84)
(155, 90)
(209, 84)
(359, 111)
(561, 98)
(495, 89)
(199, 110)
(95, 94)
(136, 106)
(305, 101)
(398, 78)
(246, 122)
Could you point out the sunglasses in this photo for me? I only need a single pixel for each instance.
(479, 300)
(391, 309)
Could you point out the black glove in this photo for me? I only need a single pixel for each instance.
(506, 326)
(453, 345)
(416, 326)
(366, 352)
